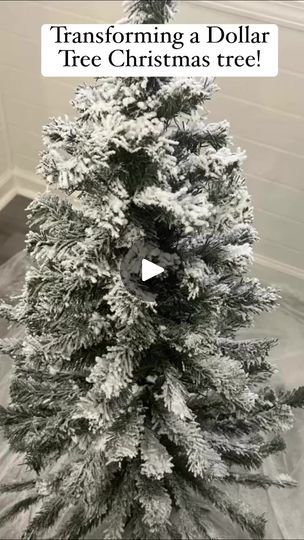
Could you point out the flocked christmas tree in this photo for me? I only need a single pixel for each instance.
(137, 416)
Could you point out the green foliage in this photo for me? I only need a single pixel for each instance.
(76, 525)
(17, 486)
(137, 417)
(17, 508)
(156, 459)
(44, 518)
(237, 511)
(262, 480)
(293, 398)
(155, 502)
(152, 12)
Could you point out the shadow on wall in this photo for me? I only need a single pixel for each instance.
(13, 227)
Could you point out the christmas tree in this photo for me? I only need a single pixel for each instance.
(138, 416)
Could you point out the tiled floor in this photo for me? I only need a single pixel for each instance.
(12, 227)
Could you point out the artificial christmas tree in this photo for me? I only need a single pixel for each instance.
(136, 416)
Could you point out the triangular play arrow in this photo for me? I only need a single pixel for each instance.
(149, 270)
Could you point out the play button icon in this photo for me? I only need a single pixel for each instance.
(150, 270)
(146, 270)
